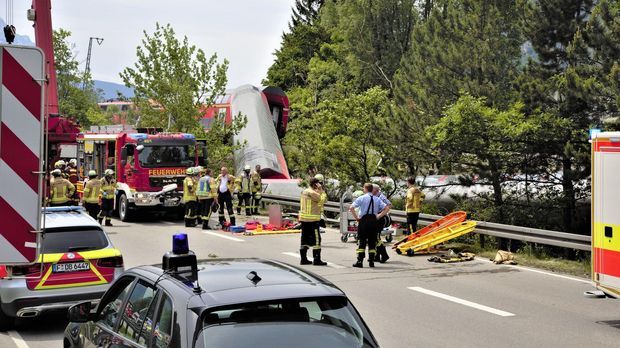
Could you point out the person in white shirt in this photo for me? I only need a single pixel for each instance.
(225, 186)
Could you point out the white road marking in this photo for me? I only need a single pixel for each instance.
(17, 339)
(541, 272)
(329, 264)
(461, 301)
(223, 236)
(169, 222)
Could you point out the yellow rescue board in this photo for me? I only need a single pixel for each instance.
(424, 244)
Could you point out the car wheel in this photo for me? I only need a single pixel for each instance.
(6, 322)
(123, 208)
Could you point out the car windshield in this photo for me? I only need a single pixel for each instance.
(324, 322)
(166, 156)
(62, 241)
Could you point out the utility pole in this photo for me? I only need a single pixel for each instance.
(90, 48)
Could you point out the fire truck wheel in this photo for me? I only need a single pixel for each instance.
(123, 208)
(6, 322)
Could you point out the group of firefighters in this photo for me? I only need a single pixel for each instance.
(98, 196)
(369, 209)
(205, 194)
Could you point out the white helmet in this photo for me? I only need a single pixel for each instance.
(108, 172)
(319, 177)
(247, 167)
(92, 173)
(73, 162)
(56, 172)
(60, 164)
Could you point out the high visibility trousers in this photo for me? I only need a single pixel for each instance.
(367, 237)
(107, 206)
(190, 213)
(225, 201)
(245, 199)
(310, 235)
(206, 208)
(255, 204)
(92, 209)
(412, 222)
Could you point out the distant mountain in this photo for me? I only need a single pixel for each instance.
(110, 90)
(19, 39)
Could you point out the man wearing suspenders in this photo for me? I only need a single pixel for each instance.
(371, 209)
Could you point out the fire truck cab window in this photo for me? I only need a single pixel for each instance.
(165, 155)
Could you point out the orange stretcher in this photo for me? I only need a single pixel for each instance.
(424, 244)
(446, 221)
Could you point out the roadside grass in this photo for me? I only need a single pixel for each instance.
(528, 256)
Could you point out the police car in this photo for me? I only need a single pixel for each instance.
(77, 262)
(218, 303)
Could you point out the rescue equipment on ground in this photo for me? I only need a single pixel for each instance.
(425, 243)
(446, 221)
(504, 258)
(452, 257)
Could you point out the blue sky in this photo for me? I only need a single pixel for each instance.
(246, 32)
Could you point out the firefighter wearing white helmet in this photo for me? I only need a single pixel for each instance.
(257, 188)
(189, 198)
(108, 188)
(90, 198)
(61, 189)
(323, 200)
(244, 189)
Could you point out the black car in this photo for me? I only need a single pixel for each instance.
(234, 303)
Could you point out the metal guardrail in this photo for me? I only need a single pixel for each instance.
(525, 234)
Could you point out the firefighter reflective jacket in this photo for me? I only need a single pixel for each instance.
(189, 189)
(72, 175)
(107, 188)
(243, 183)
(207, 188)
(230, 185)
(309, 209)
(61, 189)
(257, 182)
(92, 189)
(414, 200)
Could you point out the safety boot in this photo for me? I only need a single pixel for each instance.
(371, 263)
(316, 254)
(232, 221)
(304, 257)
(359, 263)
(382, 255)
(100, 221)
(108, 223)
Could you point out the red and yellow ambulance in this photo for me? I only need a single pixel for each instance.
(606, 212)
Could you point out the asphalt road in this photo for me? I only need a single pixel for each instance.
(408, 302)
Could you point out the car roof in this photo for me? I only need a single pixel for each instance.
(62, 217)
(225, 282)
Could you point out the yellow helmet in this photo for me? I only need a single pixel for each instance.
(189, 171)
(59, 164)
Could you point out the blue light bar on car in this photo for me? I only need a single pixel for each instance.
(180, 244)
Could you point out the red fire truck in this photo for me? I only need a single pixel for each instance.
(149, 166)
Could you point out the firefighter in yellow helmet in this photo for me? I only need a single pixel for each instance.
(108, 188)
(257, 188)
(72, 175)
(413, 204)
(90, 198)
(61, 189)
(309, 216)
(244, 188)
(189, 198)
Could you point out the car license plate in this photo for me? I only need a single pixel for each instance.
(70, 267)
(170, 203)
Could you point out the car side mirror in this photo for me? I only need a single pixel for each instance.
(80, 313)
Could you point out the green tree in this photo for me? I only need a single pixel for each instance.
(376, 35)
(173, 80)
(551, 84)
(73, 100)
